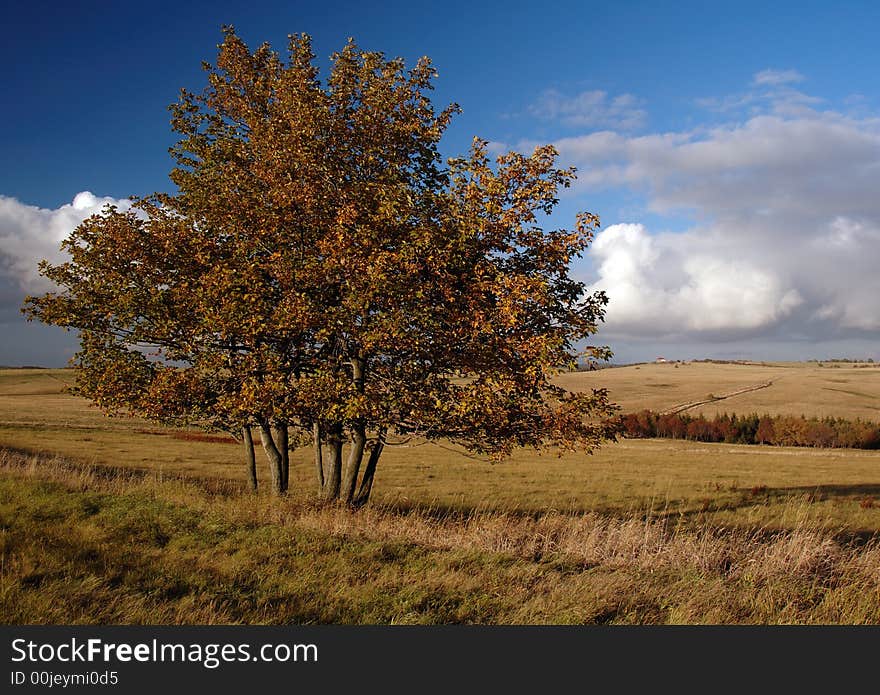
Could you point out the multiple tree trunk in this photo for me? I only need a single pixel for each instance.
(275, 440)
(338, 477)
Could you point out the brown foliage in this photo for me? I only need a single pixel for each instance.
(780, 430)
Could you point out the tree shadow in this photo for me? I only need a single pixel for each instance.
(866, 494)
(836, 491)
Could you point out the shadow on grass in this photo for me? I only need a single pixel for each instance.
(733, 500)
(867, 495)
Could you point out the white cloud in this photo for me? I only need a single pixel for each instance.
(786, 237)
(29, 234)
(770, 91)
(590, 109)
(677, 284)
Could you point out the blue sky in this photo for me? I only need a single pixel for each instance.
(729, 148)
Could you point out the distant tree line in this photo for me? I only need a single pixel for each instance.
(847, 360)
(775, 430)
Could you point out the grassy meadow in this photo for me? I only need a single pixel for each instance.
(117, 520)
(838, 389)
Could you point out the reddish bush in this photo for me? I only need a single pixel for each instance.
(779, 430)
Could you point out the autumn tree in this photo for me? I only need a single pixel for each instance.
(322, 271)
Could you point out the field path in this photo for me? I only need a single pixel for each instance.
(681, 407)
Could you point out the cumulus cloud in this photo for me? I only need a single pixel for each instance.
(590, 109)
(29, 234)
(785, 235)
(674, 285)
(727, 281)
(822, 164)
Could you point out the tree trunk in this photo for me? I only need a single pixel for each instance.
(250, 458)
(353, 465)
(282, 439)
(274, 456)
(319, 463)
(363, 495)
(334, 463)
(358, 435)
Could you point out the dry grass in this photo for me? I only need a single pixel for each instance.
(118, 521)
(798, 388)
(683, 480)
(94, 545)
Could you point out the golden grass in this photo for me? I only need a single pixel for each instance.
(143, 548)
(798, 388)
(120, 521)
(715, 482)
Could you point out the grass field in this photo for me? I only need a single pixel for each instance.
(626, 535)
(845, 390)
(93, 545)
(743, 485)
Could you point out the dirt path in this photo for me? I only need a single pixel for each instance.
(681, 407)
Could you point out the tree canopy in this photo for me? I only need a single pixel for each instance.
(322, 271)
